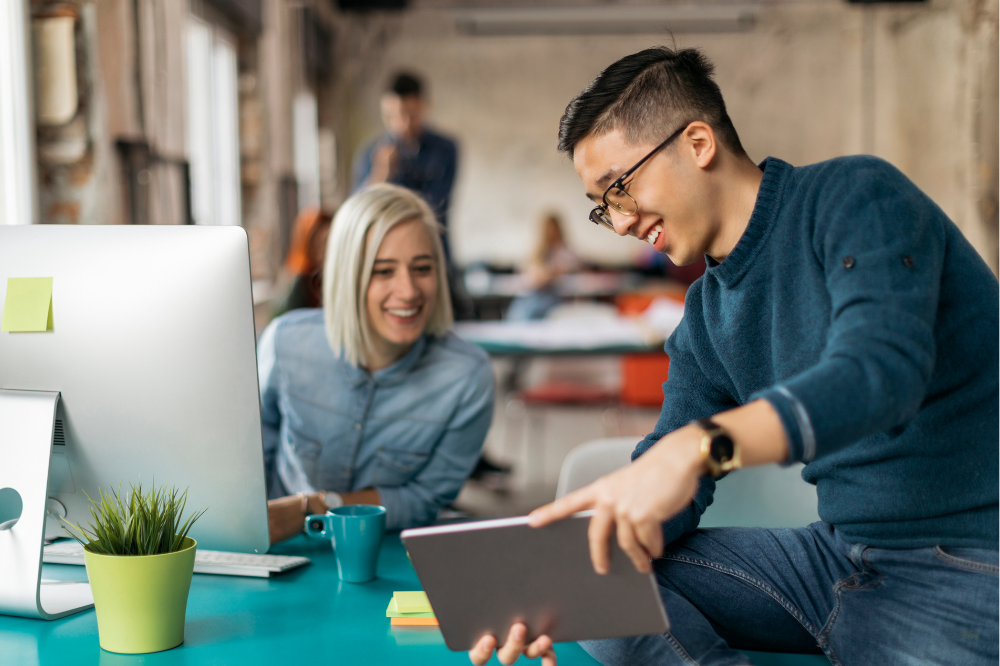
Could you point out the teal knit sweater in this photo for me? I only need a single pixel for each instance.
(859, 311)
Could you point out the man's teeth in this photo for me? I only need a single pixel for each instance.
(654, 232)
(402, 313)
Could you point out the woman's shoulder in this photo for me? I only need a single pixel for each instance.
(301, 331)
(457, 353)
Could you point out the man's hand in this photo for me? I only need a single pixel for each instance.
(514, 648)
(385, 162)
(634, 501)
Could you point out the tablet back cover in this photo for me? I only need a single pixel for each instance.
(482, 577)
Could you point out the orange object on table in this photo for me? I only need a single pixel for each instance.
(643, 374)
(642, 379)
(413, 621)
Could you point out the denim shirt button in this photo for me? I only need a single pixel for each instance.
(357, 426)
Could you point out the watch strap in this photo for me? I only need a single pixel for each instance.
(332, 500)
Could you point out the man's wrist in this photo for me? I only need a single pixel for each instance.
(683, 448)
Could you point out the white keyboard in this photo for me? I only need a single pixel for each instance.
(69, 551)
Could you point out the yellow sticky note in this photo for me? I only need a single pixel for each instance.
(391, 611)
(28, 306)
(412, 602)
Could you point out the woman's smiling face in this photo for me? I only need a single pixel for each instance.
(402, 292)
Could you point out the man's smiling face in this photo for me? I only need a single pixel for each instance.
(667, 189)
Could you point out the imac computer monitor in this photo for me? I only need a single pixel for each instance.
(152, 352)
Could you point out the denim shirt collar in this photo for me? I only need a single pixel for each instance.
(389, 375)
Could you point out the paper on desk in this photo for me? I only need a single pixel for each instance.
(392, 612)
(28, 306)
(413, 622)
(412, 602)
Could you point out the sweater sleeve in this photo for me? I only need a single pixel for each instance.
(687, 394)
(881, 243)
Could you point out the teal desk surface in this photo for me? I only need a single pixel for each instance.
(305, 616)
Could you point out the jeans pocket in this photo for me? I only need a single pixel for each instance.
(397, 466)
(979, 560)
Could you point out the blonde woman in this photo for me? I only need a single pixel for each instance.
(371, 399)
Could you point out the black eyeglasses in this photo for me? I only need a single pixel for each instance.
(616, 197)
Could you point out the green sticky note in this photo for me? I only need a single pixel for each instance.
(28, 306)
(412, 602)
(391, 611)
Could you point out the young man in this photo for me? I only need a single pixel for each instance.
(409, 154)
(843, 322)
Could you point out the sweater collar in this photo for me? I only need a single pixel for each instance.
(391, 374)
(732, 269)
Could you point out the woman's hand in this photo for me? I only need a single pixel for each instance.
(285, 518)
(514, 648)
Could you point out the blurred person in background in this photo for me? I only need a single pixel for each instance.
(373, 400)
(302, 275)
(410, 154)
(550, 259)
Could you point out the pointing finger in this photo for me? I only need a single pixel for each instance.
(565, 506)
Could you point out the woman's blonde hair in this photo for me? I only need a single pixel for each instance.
(358, 229)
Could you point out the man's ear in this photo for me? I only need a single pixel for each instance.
(703, 145)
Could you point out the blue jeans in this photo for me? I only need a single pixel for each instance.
(809, 590)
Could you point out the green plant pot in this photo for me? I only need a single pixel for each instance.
(141, 599)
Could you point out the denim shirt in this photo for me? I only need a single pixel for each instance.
(413, 430)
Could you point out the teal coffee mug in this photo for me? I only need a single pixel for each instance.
(356, 531)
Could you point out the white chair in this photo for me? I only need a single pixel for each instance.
(766, 496)
(591, 460)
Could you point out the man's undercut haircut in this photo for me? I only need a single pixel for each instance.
(406, 84)
(647, 96)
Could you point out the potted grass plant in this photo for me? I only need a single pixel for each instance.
(139, 560)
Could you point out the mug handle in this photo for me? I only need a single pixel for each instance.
(313, 525)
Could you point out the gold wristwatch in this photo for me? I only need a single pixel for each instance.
(719, 452)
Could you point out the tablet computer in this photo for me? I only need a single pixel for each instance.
(481, 577)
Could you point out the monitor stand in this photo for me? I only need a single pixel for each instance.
(27, 420)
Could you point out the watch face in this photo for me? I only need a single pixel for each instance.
(721, 448)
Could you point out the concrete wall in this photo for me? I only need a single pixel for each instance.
(915, 84)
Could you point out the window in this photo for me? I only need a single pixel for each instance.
(213, 123)
(17, 166)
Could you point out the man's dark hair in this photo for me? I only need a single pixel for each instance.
(647, 96)
(405, 84)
